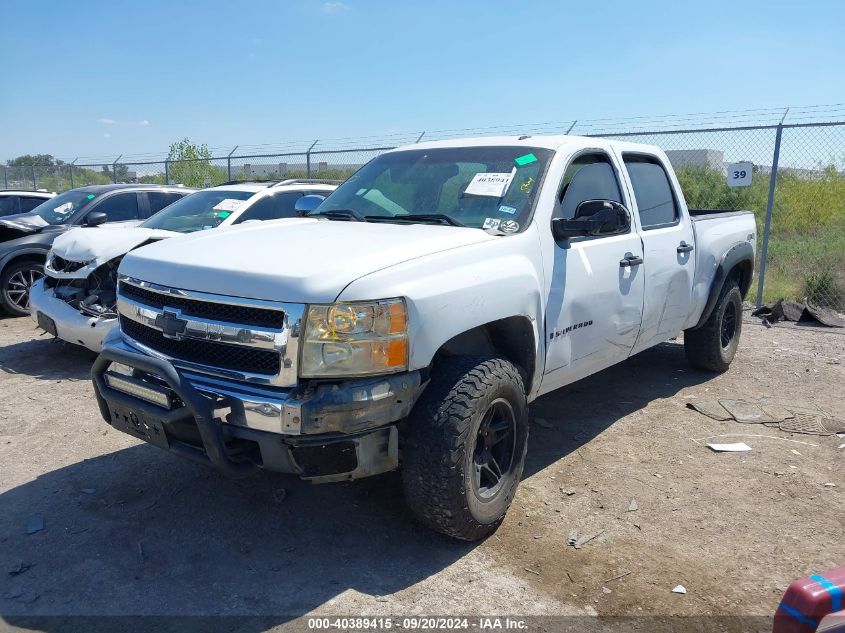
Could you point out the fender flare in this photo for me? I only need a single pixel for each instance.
(739, 253)
(32, 250)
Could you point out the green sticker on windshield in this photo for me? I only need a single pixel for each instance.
(527, 159)
(224, 214)
(91, 196)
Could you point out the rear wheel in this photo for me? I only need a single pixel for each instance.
(15, 283)
(465, 448)
(713, 345)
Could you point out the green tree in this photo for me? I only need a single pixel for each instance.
(190, 165)
(33, 159)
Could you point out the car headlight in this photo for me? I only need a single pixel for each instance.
(363, 338)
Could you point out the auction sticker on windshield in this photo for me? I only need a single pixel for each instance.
(489, 184)
(228, 204)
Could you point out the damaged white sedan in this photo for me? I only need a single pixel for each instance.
(76, 299)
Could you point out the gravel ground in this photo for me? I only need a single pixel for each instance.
(131, 530)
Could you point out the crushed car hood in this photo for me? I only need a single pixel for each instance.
(104, 243)
(97, 245)
(299, 260)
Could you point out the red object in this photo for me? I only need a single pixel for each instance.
(808, 600)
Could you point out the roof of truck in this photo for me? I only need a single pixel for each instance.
(552, 142)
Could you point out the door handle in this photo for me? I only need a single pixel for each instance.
(630, 260)
(685, 248)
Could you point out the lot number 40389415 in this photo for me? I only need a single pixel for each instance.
(739, 174)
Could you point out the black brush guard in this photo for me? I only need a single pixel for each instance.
(194, 407)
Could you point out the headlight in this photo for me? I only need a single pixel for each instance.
(355, 339)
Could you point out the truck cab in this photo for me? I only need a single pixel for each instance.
(410, 319)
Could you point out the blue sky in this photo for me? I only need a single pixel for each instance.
(106, 78)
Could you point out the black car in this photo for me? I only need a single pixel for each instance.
(26, 238)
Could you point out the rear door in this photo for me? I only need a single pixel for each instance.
(668, 243)
(595, 303)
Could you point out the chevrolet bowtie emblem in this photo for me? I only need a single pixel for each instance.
(170, 324)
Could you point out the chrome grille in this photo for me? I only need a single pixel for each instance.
(244, 315)
(244, 339)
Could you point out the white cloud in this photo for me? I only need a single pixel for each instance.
(106, 135)
(334, 7)
(106, 121)
(143, 122)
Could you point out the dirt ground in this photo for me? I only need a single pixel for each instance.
(131, 530)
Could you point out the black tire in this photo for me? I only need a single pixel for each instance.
(445, 484)
(14, 286)
(713, 345)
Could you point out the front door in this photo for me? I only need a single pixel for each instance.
(595, 304)
(668, 255)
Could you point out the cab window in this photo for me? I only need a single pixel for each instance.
(656, 202)
(588, 177)
(120, 207)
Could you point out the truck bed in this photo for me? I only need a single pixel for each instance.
(716, 231)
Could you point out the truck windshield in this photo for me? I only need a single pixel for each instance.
(59, 210)
(198, 211)
(480, 187)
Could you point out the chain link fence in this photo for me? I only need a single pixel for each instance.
(796, 191)
(804, 199)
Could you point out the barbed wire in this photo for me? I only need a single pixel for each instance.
(641, 123)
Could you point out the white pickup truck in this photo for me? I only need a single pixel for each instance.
(408, 322)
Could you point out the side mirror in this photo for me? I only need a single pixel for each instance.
(593, 218)
(96, 219)
(306, 204)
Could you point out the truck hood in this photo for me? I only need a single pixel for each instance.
(299, 260)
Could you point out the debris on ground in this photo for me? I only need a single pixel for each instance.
(279, 496)
(798, 312)
(710, 408)
(88, 491)
(737, 447)
(141, 556)
(542, 422)
(19, 568)
(586, 539)
(567, 491)
(830, 484)
(35, 524)
(572, 538)
(812, 424)
(746, 412)
(633, 507)
(618, 576)
(679, 589)
(790, 418)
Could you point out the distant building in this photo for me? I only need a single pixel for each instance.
(712, 158)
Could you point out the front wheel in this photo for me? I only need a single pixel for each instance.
(713, 345)
(464, 451)
(15, 283)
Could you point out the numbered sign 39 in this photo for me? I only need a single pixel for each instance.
(739, 174)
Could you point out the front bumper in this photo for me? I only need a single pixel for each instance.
(71, 325)
(325, 433)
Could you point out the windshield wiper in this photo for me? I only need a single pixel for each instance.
(339, 214)
(439, 218)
